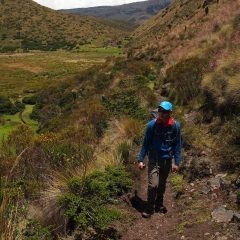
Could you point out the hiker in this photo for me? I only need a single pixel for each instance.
(162, 142)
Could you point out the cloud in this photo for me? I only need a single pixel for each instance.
(67, 4)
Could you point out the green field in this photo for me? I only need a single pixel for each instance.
(12, 121)
(22, 73)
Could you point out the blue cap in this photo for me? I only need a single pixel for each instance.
(166, 105)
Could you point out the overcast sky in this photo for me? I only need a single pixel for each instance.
(67, 4)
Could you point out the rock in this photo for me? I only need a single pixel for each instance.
(233, 198)
(220, 214)
(214, 183)
(189, 117)
(222, 238)
(214, 196)
(224, 182)
(206, 189)
(211, 185)
(236, 217)
(238, 182)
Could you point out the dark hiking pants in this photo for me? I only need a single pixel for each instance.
(158, 172)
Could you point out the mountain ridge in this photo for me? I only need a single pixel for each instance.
(136, 12)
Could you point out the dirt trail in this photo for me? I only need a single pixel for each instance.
(186, 218)
(158, 226)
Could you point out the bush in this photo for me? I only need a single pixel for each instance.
(7, 107)
(125, 102)
(228, 145)
(36, 112)
(88, 201)
(138, 68)
(8, 49)
(151, 99)
(186, 76)
(34, 231)
(30, 100)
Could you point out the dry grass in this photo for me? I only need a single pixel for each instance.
(123, 130)
(202, 29)
(46, 208)
(130, 128)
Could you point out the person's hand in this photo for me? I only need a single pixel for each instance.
(140, 165)
(174, 168)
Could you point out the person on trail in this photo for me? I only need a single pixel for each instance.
(162, 142)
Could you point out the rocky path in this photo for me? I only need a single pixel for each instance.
(188, 216)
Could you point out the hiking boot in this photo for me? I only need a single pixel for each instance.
(160, 208)
(148, 211)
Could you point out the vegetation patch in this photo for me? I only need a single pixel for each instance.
(88, 203)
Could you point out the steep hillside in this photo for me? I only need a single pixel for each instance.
(73, 178)
(180, 11)
(136, 12)
(197, 44)
(183, 24)
(28, 25)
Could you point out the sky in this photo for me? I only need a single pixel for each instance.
(68, 4)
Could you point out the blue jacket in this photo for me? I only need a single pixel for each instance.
(164, 144)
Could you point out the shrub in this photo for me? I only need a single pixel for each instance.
(186, 76)
(102, 81)
(140, 80)
(88, 201)
(96, 115)
(151, 99)
(236, 21)
(220, 97)
(125, 102)
(7, 107)
(228, 144)
(139, 68)
(36, 112)
(34, 231)
(7, 49)
(32, 100)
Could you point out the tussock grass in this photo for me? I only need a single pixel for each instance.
(45, 207)
(130, 128)
(120, 131)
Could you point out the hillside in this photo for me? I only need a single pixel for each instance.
(29, 26)
(136, 12)
(76, 177)
(180, 25)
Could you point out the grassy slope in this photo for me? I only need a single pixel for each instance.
(184, 30)
(174, 47)
(33, 22)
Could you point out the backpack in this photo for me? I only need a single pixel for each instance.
(154, 116)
